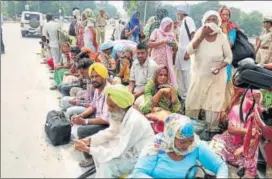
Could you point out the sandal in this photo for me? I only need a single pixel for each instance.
(86, 163)
(53, 88)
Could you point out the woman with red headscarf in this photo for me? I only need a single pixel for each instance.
(228, 28)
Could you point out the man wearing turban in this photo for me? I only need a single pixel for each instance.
(96, 116)
(115, 150)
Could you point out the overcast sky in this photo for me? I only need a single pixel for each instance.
(263, 6)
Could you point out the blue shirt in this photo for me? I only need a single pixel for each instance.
(162, 166)
(232, 37)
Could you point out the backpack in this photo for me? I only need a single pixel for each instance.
(241, 49)
(72, 30)
(123, 34)
(57, 128)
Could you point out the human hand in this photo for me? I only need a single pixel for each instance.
(77, 120)
(238, 152)
(165, 91)
(166, 41)
(206, 31)
(135, 27)
(186, 56)
(81, 146)
(86, 140)
(75, 101)
(215, 71)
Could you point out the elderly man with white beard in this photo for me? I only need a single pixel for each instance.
(115, 150)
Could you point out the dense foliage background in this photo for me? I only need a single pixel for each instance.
(251, 23)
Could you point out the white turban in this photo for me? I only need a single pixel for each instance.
(215, 27)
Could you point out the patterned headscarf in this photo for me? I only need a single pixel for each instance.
(175, 126)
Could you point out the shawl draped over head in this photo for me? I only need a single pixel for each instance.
(100, 69)
(160, 14)
(175, 126)
(234, 113)
(164, 23)
(62, 47)
(107, 45)
(89, 17)
(134, 21)
(215, 27)
(230, 25)
(120, 95)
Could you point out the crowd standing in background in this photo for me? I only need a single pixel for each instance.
(154, 79)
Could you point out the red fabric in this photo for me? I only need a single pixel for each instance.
(50, 63)
(231, 25)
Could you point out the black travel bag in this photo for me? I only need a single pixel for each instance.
(57, 128)
(241, 49)
(253, 77)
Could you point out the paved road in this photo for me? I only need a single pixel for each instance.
(25, 101)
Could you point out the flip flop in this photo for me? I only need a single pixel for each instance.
(86, 163)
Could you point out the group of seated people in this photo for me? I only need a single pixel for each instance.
(112, 101)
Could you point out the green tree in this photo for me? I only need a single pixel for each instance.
(108, 8)
(252, 23)
(139, 6)
(197, 10)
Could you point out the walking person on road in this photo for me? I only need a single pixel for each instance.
(183, 63)
(89, 35)
(2, 43)
(101, 22)
(51, 33)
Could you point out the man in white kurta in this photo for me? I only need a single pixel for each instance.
(115, 150)
(183, 64)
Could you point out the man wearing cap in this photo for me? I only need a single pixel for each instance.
(96, 116)
(182, 64)
(101, 22)
(116, 149)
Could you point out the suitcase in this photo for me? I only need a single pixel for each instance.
(57, 128)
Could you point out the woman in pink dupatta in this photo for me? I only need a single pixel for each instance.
(162, 41)
(229, 145)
